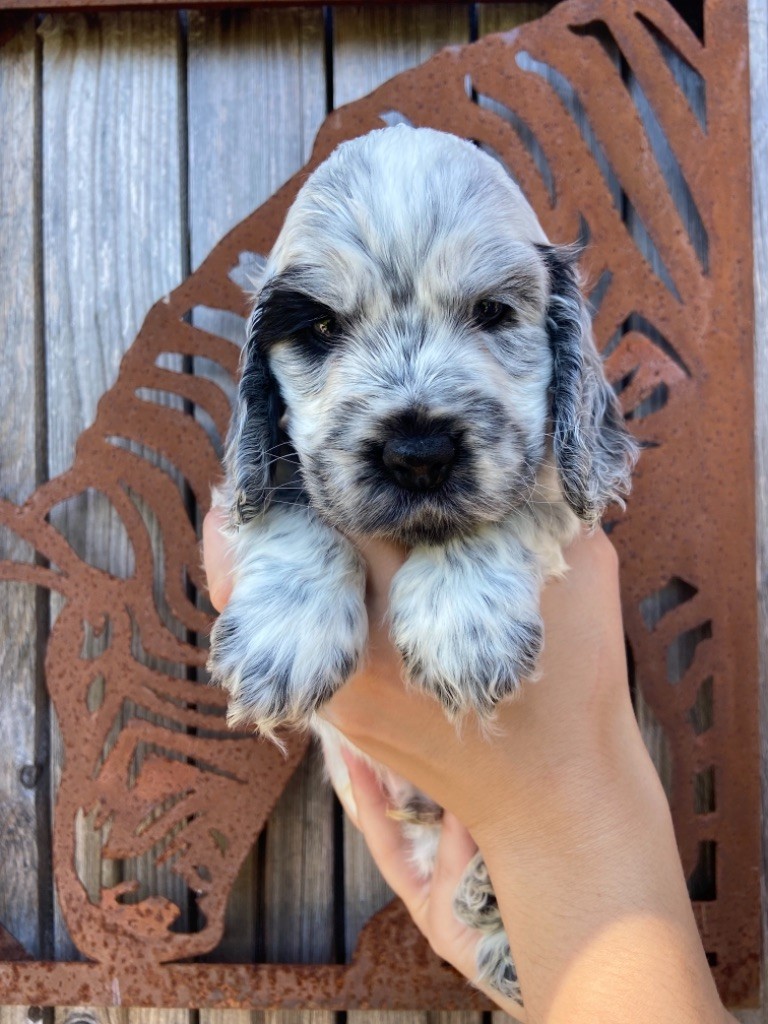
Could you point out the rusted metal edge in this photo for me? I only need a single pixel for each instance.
(375, 979)
(105, 5)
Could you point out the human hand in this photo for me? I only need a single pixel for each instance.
(560, 796)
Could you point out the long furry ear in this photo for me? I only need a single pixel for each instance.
(253, 433)
(593, 450)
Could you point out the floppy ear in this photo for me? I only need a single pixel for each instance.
(253, 433)
(593, 450)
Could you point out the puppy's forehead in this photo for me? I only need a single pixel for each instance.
(402, 206)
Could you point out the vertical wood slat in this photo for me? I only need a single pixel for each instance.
(370, 45)
(758, 63)
(20, 771)
(256, 88)
(112, 242)
(17, 1015)
(117, 1015)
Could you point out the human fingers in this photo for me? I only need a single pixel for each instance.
(217, 558)
(391, 850)
(429, 901)
(384, 835)
(449, 937)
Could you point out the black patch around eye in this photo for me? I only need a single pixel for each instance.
(289, 314)
(488, 313)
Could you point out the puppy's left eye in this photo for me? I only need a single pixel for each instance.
(488, 313)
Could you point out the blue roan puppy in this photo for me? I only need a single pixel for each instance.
(420, 360)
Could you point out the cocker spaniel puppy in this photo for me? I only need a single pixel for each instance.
(419, 366)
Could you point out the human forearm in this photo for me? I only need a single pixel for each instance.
(595, 906)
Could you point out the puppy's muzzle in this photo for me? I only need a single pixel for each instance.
(419, 463)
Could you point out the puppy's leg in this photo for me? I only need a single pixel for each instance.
(295, 627)
(476, 906)
(465, 617)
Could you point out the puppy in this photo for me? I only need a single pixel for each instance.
(419, 366)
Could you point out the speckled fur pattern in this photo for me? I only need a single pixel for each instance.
(411, 290)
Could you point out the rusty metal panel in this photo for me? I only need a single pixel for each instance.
(674, 319)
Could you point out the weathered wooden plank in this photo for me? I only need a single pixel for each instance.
(499, 1017)
(273, 63)
(20, 771)
(21, 1015)
(112, 241)
(117, 1015)
(758, 62)
(370, 46)
(749, 1016)
(495, 17)
(211, 5)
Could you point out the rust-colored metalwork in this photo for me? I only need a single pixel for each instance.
(676, 327)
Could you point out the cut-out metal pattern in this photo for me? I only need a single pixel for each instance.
(552, 101)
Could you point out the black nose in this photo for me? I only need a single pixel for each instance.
(419, 463)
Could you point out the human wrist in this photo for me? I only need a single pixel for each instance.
(574, 797)
(569, 782)
(594, 889)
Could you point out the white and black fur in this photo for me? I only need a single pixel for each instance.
(419, 366)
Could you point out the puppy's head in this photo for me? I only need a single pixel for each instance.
(425, 349)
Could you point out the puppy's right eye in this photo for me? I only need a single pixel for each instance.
(325, 330)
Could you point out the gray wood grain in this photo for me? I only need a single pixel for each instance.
(117, 1015)
(112, 242)
(19, 470)
(502, 17)
(370, 46)
(256, 87)
(493, 18)
(758, 60)
(20, 1015)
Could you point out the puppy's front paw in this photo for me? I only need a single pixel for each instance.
(295, 627)
(465, 619)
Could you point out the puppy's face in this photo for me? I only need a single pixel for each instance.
(423, 347)
(404, 322)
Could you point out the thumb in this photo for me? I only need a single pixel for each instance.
(217, 557)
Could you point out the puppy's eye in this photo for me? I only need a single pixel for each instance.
(488, 313)
(326, 330)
